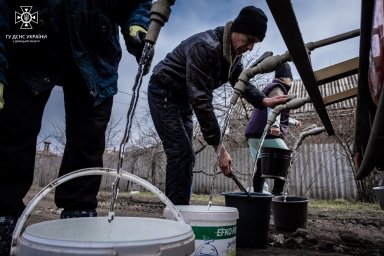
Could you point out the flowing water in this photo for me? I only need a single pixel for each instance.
(218, 150)
(145, 58)
(254, 169)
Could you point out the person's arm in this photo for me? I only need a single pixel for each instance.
(275, 127)
(200, 60)
(259, 100)
(225, 161)
(134, 25)
(294, 122)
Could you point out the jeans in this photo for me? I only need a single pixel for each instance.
(172, 118)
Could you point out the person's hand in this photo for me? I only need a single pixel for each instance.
(225, 162)
(298, 124)
(275, 131)
(135, 41)
(135, 45)
(1, 95)
(274, 101)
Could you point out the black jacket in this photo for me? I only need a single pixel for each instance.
(194, 69)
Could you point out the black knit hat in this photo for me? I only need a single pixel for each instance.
(251, 21)
(283, 70)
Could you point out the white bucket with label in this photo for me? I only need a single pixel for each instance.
(214, 228)
(96, 236)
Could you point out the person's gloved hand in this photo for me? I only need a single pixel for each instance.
(135, 44)
(1, 95)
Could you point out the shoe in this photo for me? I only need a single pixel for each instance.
(67, 214)
(7, 225)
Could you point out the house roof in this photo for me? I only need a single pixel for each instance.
(326, 90)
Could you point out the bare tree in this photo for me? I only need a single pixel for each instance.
(344, 133)
(112, 135)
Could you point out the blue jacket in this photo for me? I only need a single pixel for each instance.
(63, 32)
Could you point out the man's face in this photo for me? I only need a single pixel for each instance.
(243, 42)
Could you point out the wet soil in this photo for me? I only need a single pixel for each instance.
(330, 230)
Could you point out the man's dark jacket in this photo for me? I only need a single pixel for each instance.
(194, 69)
(83, 32)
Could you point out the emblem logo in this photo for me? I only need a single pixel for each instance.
(26, 17)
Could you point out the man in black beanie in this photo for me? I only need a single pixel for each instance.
(251, 21)
(183, 84)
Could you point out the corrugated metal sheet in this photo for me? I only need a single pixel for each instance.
(319, 171)
(327, 89)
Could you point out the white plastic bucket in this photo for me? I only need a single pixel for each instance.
(96, 236)
(214, 228)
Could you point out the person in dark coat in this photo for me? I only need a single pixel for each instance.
(73, 44)
(280, 85)
(183, 83)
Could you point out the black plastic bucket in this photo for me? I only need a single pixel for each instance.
(289, 212)
(254, 216)
(275, 162)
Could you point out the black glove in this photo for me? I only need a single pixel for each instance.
(135, 41)
(135, 45)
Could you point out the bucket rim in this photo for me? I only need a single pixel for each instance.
(201, 212)
(301, 199)
(244, 195)
(180, 231)
(275, 149)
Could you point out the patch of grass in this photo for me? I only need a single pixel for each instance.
(342, 204)
(337, 204)
(217, 199)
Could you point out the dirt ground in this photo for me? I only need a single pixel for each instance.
(330, 230)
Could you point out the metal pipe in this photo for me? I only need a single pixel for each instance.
(160, 12)
(269, 64)
(303, 135)
(292, 104)
(333, 39)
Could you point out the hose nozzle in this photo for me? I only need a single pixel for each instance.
(160, 12)
(304, 134)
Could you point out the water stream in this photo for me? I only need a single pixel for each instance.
(145, 58)
(218, 150)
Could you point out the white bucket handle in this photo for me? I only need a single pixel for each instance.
(86, 172)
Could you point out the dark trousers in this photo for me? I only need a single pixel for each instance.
(172, 118)
(20, 123)
(258, 182)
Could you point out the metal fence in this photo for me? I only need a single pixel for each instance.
(319, 171)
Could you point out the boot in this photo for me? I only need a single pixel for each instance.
(258, 181)
(67, 214)
(7, 225)
(278, 187)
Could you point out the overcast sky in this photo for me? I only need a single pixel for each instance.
(318, 19)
